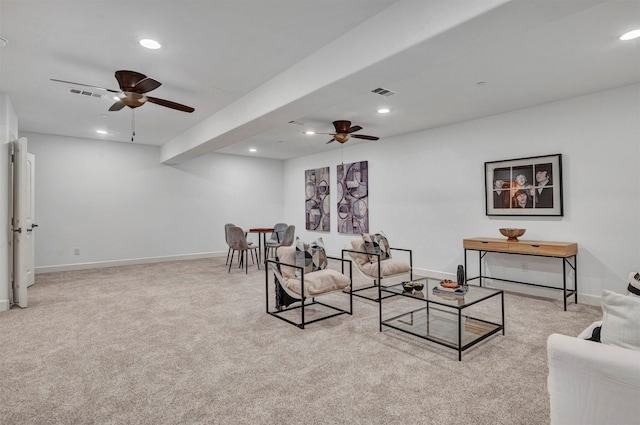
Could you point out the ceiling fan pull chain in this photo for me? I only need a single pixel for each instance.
(133, 124)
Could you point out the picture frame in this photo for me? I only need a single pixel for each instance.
(524, 186)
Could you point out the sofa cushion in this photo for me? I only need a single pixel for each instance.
(620, 320)
(376, 244)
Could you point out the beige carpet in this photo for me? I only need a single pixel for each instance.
(186, 343)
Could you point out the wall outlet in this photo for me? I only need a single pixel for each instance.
(76, 251)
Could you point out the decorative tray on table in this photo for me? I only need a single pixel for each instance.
(450, 288)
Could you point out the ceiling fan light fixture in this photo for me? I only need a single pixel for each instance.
(631, 35)
(150, 44)
(341, 137)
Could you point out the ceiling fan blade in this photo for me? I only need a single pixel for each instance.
(128, 79)
(116, 106)
(331, 141)
(146, 85)
(342, 126)
(169, 104)
(364, 136)
(84, 85)
(354, 128)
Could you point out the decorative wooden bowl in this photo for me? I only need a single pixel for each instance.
(512, 234)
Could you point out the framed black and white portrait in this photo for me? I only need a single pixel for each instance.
(524, 186)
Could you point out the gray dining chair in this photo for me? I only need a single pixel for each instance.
(287, 239)
(238, 243)
(278, 233)
(226, 239)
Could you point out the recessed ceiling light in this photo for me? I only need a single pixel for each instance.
(253, 150)
(630, 35)
(150, 44)
(309, 132)
(102, 132)
(384, 110)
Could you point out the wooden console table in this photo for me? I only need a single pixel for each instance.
(566, 251)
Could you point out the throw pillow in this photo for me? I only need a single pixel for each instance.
(634, 284)
(595, 336)
(376, 243)
(311, 256)
(620, 320)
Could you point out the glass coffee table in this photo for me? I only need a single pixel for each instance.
(441, 319)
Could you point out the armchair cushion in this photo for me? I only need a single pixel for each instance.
(358, 245)
(387, 267)
(620, 320)
(376, 243)
(315, 283)
(319, 282)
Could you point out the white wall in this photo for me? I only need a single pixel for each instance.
(116, 202)
(426, 189)
(8, 133)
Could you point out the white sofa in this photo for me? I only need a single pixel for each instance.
(591, 382)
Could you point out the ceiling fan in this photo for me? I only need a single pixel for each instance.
(132, 93)
(344, 131)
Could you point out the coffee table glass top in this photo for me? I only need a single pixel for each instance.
(472, 296)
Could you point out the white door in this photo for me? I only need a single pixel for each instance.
(23, 221)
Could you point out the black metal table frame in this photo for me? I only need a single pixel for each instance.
(459, 347)
(565, 260)
(262, 240)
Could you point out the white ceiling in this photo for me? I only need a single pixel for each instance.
(218, 54)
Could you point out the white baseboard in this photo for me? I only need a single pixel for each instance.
(4, 305)
(115, 263)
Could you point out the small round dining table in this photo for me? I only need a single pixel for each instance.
(262, 242)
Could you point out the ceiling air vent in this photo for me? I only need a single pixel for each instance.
(86, 93)
(383, 92)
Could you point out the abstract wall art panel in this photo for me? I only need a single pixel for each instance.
(353, 198)
(316, 204)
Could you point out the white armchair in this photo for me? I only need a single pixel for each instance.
(593, 382)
